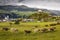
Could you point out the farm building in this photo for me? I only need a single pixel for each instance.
(8, 16)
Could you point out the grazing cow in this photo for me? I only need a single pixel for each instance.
(36, 26)
(14, 29)
(5, 29)
(53, 24)
(27, 31)
(46, 25)
(44, 30)
(58, 23)
(36, 30)
(52, 28)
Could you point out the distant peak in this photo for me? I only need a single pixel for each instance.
(23, 6)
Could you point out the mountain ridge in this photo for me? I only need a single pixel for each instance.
(26, 8)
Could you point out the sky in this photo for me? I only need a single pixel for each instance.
(46, 4)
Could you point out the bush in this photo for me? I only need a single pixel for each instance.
(17, 22)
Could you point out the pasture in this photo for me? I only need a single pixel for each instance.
(20, 35)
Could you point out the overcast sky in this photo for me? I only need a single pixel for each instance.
(47, 4)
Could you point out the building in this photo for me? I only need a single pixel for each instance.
(8, 16)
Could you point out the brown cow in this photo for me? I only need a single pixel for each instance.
(5, 28)
(44, 30)
(27, 31)
(52, 28)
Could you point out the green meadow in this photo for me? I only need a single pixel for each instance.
(20, 35)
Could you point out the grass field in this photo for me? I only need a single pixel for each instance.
(7, 35)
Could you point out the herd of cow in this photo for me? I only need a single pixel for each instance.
(36, 29)
(45, 29)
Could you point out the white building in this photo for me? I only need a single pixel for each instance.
(39, 10)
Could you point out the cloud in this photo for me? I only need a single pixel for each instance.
(3, 2)
(47, 4)
(20, 0)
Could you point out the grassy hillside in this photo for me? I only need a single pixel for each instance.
(25, 12)
(7, 35)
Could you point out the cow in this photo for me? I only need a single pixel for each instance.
(46, 25)
(27, 31)
(5, 28)
(52, 28)
(44, 30)
(53, 24)
(58, 23)
(14, 29)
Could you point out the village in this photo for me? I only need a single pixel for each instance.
(39, 16)
(35, 25)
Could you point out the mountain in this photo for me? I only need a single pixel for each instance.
(52, 12)
(19, 8)
(26, 8)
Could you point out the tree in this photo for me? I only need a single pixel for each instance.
(40, 15)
